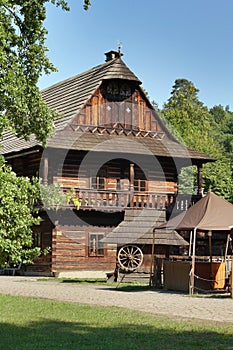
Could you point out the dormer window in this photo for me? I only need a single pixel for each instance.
(116, 90)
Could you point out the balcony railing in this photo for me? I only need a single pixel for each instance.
(119, 200)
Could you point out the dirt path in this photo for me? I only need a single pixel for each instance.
(156, 302)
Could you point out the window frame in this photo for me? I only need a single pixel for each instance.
(99, 249)
(138, 185)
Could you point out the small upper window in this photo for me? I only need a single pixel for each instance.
(140, 185)
(98, 183)
(96, 247)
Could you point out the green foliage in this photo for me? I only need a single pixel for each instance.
(87, 4)
(187, 180)
(207, 131)
(188, 115)
(53, 197)
(17, 216)
(23, 59)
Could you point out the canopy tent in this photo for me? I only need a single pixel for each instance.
(211, 213)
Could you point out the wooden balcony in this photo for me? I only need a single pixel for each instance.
(104, 200)
(120, 199)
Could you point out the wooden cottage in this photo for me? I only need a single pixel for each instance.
(112, 149)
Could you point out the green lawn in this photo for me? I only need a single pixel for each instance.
(28, 323)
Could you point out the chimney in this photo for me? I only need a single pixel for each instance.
(111, 55)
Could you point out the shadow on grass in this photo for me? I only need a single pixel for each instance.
(34, 324)
(52, 334)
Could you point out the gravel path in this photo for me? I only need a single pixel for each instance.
(156, 302)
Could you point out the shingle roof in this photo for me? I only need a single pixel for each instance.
(138, 226)
(104, 142)
(113, 143)
(70, 95)
(11, 143)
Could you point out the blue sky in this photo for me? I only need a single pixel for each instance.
(162, 40)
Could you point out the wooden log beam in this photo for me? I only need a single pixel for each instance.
(131, 181)
(199, 180)
(45, 171)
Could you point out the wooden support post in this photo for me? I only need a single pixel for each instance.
(45, 171)
(152, 258)
(199, 180)
(131, 180)
(231, 278)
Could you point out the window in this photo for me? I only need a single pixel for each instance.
(98, 183)
(140, 185)
(96, 247)
(37, 239)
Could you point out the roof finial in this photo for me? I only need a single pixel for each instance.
(119, 46)
(111, 55)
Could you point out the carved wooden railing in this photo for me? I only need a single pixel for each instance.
(184, 201)
(102, 199)
(121, 199)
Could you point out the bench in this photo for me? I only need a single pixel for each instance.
(12, 270)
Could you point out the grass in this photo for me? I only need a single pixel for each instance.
(31, 324)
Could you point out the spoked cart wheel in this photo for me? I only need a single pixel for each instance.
(130, 258)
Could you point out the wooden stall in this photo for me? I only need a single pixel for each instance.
(208, 276)
(211, 213)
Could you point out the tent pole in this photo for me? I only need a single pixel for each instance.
(211, 258)
(190, 242)
(192, 272)
(210, 245)
(227, 245)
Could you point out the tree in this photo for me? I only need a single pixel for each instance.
(17, 216)
(196, 127)
(23, 60)
(188, 115)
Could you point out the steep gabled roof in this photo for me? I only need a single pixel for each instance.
(69, 96)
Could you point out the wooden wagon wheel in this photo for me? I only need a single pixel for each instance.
(130, 257)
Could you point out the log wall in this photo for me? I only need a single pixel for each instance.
(115, 174)
(71, 250)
